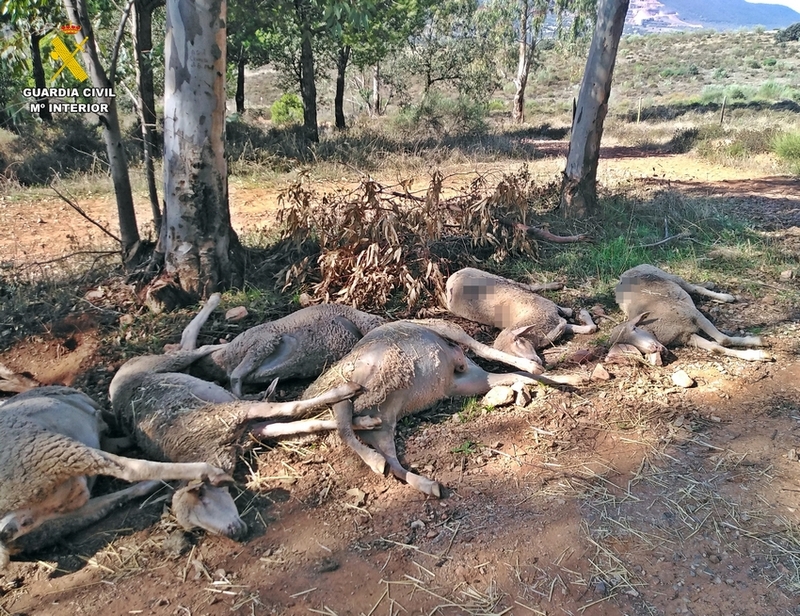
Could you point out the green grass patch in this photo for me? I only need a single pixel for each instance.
(787, 147)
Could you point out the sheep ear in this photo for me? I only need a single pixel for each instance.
(639, 318)
(521, 332)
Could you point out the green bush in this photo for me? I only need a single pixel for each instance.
(441, 116)
(787, 147)
(792, 33)
(40, 151)
(288, 109)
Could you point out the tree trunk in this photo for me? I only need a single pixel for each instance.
(376, 90)
(240, 66)
(201, 250)
(308, 88)
(523, 67)
(129, 231)
(142, 30)
(38, 76)
(341, 67)
(579, 186)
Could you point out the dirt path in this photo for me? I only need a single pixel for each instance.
(40, 229)
(630, 497)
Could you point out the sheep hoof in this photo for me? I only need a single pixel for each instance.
(218, 477)
(424, 485)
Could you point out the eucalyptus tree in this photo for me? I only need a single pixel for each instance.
(579, 185)
(455, 47)
(78, 14)
(527, 23)
(389, 25)
(245, 19)
(201, 251)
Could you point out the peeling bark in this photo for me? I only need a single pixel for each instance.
(579, 185)
(202, 252)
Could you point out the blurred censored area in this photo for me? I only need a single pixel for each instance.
(485, 292)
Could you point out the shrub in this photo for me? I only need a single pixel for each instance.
(787, 147)
(288, 109)
(792, 33)
(442, 116)
(40, 151)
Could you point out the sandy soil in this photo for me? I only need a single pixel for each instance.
(632, 496)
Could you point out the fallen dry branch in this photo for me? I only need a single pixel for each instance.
(544, 234)
(362, 246)
(80, 211)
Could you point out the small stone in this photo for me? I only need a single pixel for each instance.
(432, 534)
(95, 294)
(236, 314)
(600, 373)
(126, 319)
(655, 359)
(304, 300)
(499, 396)
(326, 565)
(792, 455)
(359, 495)
(787, 275)
(419, 524)
(681, 379)
(714, 558)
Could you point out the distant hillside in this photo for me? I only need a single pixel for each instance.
(646, 16)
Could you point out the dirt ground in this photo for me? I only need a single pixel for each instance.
(631, 496)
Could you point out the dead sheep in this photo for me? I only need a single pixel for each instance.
(300, 345)
(661, 314)
(178, 417)
(49, 454)
(405, 367)
(529, 321)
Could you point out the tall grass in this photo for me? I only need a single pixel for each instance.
(787, 147)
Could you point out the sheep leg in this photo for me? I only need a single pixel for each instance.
(310, 426)
(565, 312)
(588, 326)
(453, 332)
(189, 336)
(714, 347)
(558, 331)
(538, 288)
(93, 511)
(133, 469)
(343, 411)
(708, 327)
(266, 410)
(383, 441)
(475, 381)
(698, 290)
